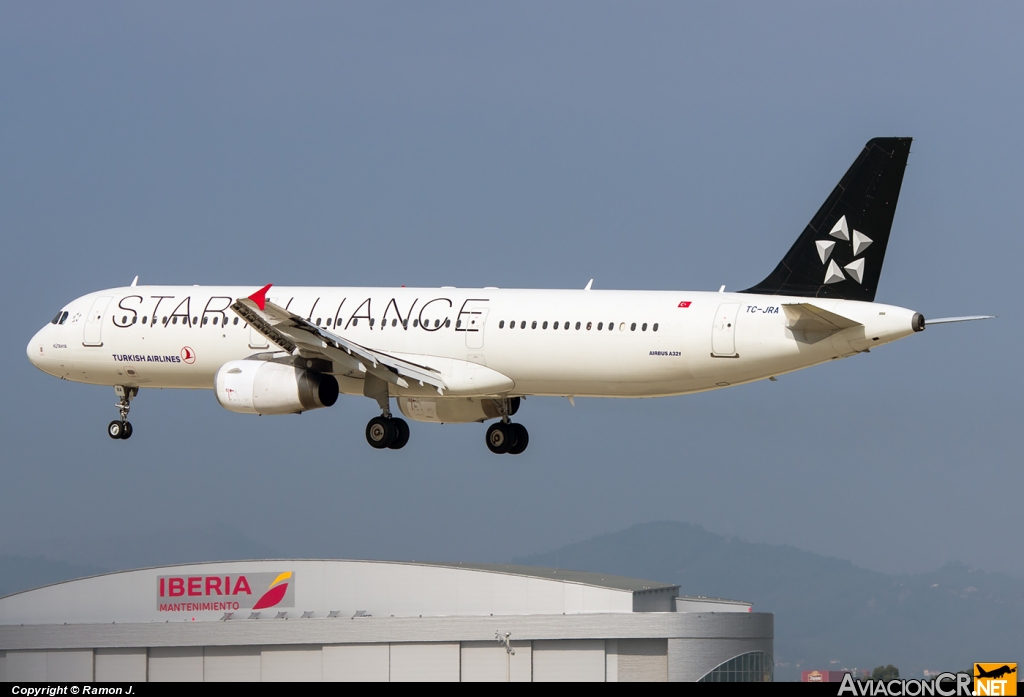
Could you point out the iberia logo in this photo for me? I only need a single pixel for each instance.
(225, 592)
(995, 678)
(188, 355)
(275, 593)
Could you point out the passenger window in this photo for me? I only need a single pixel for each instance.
(372, 321)
(415, 323)
(205, 320)
(405, 324)
(144, 320)
(655, 327)
(644, 327)
(437, 323)
(355, 322)
(501, 324)
(522, 325)
(165, 321)
(632, 327)
(235, 322)
(577, 326)
(622, 326)
(215, 321)
(555, 325)
(600, 326)
(318, 321)
(394, 322)
(174, 320)
(512, 324)
(195, 320)
(589, 326)
(611, 326)
(447, 323)
(328, 322)
(545, 325)
(534, 325)
(124, 319)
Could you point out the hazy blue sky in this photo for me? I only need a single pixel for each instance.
(645, 145)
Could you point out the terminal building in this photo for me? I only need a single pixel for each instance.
(336, 620)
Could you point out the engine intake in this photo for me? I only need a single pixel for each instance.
(261, 387)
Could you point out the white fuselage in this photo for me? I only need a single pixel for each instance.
(607, 343)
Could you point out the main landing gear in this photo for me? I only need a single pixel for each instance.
(122, 428)
(505, 436)
(386, 431)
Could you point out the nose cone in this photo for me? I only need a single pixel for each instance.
(36, 349)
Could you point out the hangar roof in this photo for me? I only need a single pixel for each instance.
(310, 588)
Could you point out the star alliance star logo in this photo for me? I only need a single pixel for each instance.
(859, 241)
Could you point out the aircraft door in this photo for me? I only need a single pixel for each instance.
(93, 335)
(475, 320)
(723, 333)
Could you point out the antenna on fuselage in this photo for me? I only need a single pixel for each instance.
(589, 283)
(135, 282)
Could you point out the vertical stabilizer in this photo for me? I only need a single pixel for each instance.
(840, 252)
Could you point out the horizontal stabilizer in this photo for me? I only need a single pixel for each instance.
(806, 313)
(950, 320)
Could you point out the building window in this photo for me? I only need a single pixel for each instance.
(756, 666)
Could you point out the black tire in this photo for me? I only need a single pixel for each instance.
(114, 430)
(522, 438)
(500, 437)
(380, 432)
(126, 430)
(402, 436)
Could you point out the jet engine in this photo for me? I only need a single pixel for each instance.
(261, 387)
(454, 410)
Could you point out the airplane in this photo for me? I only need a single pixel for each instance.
(455, 355)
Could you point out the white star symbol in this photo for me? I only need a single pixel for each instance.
(859, 242)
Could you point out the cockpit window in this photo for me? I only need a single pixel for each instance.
(63, 317)
(59, 319)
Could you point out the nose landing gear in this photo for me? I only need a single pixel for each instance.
(122, 429)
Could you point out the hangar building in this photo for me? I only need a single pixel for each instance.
(371, 620)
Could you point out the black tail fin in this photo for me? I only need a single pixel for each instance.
(840, 253)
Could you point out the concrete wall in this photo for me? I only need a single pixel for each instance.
(559, 660)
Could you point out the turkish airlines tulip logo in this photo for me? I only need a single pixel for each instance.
(857, 239)
(188, 355)
(275, 593)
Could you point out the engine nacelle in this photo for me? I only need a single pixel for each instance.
(261, 387)
(453, 410)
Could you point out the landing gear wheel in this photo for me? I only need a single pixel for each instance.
(115, 430)
(522, 439)
(500, 437)
(402, 435)
(381, 432)
(126, 430)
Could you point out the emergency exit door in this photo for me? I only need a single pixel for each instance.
(723, 333)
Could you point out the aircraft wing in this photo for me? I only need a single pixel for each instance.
(298, 336)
